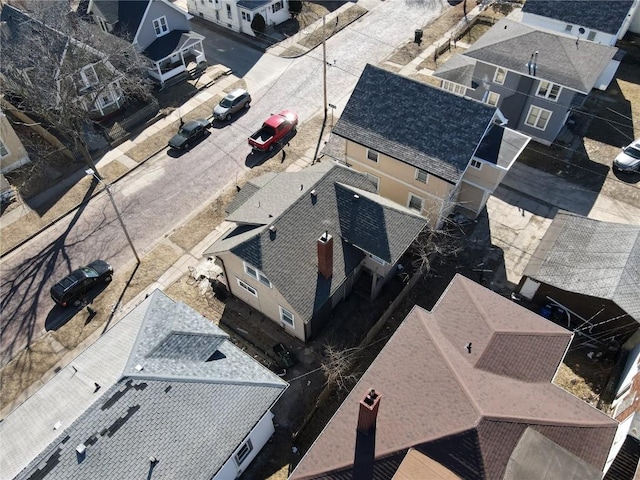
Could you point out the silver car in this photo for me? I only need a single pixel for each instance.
(628, 160)
(232, 103)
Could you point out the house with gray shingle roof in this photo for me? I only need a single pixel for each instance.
(158, 29)
(163, 394)
(237, 15)
(589, 271)
(467, 384)
(535, 76)
(425, 148)
(299, 241)
(599, 21)
(90, 72)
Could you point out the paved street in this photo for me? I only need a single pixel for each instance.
(160, 194)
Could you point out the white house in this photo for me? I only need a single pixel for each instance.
(237, 15)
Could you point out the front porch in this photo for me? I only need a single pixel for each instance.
(174, 54)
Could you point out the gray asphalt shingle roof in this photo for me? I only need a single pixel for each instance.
(416, 123)
(603, 15)
(560, 59)
(195, 399)
(591, 257)
(167, 44)
(124, 15)
(288, 256)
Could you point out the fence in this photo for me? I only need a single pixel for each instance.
(121, 130)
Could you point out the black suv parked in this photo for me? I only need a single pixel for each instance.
(68, 289)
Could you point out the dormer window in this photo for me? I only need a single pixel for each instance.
(88, 75)
(160, 26)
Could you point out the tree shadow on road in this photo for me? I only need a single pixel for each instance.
(23, 287)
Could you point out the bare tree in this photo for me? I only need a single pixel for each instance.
(338, 367)
(65, 71)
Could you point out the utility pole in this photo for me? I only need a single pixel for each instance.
(91, 171)
(324, 85)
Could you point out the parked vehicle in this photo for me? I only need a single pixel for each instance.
(273, 130)
(189, 134)
(628, 160)
(231, 104)
(78, 282)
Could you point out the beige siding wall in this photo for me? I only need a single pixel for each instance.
(16, 153)
(397, 180)
(477, 184)
(267, 301)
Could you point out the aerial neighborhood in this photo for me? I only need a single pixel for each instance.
(285, 239)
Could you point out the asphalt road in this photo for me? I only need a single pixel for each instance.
(158, 196)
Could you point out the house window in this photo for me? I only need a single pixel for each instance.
(415, 203)
(229, 11)
(372, 155)
(257, 274)
(104, 26)
(160, 26)
(246, 16)
(421, 176)
(248, 287)
(538, 117)
(286, 316)
(217, 16)
(89, 76)
(568, 27)
(244, 452)
(3, 149)
(491, 98)
(476, 164)
(500, 75)
(591, 36)
(548, 90)
(374, 179)
(277, 6)
(454, 88)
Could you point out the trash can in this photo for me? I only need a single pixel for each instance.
(418, 36)
(546, 311)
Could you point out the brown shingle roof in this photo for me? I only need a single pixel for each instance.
(433, 389)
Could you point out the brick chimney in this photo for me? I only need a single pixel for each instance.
(368, 412)
(325, 255)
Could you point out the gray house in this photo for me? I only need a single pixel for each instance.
(589, 272)
(536, 77)
(163, 394)
(598, 21)
(300, 241)
(158, 29)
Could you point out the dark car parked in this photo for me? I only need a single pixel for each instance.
(71, 287)
(189, 134)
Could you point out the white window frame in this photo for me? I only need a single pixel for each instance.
(374, 179)
(104, 26)
(413, 196)
(592, 35)
(92, 78)
(247, 287)
(492, 98)
(161, 26)
(568, 27)
(229, 14)
(256, 274)
(4, 150)
(454, 88)
(418, 175)
(374, 154)
(477, 164)
(287, 317)
(243, 452)
(537, 116)
(548, 90)
(279, 4)
(499, 76)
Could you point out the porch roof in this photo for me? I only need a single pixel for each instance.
(170, 43)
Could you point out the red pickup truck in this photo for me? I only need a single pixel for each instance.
(273, 130)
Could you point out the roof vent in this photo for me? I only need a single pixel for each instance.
(81, 449)
(314, 193)
(57, 425)
(139, 368)
(301, 187)
(356, 196)
(272, 228)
